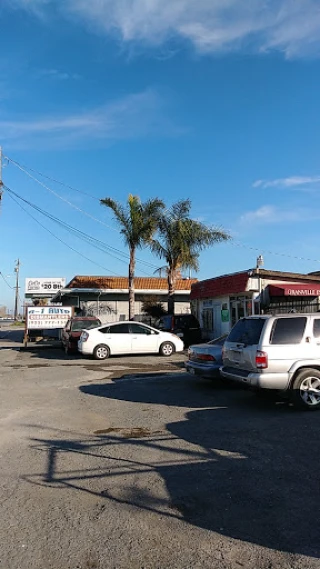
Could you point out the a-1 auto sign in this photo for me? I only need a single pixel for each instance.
(44, 286)
(45, 317)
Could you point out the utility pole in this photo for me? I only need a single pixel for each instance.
(16, 270)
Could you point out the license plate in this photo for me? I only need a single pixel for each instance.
(236, 355)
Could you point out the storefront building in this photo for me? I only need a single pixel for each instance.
(108, 297)
(219, 302)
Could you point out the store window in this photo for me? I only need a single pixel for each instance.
(241, 306)
(207, 320)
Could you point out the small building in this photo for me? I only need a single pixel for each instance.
(108, 297)
(219, 302)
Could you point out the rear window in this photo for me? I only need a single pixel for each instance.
(164, 323)
(188, 321)
(247, 331)
(288, 330)
(316, 328)
(78, 325)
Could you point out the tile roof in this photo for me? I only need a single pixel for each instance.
(142, 283)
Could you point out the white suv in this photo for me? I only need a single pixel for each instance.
(277, 352)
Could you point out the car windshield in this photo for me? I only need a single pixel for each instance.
(78, 325)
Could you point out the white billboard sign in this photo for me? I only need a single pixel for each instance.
(45, 317)
(44, 286)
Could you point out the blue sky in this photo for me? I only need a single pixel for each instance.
(211, 100)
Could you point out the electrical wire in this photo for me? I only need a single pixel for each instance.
(5, 280)
(261, 250)
(234, 243)
(51, 179)
(78, 233)
(62, 198)
(58, 238)
(151, 265)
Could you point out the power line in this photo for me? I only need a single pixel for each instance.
(60, 197)
(5, 280)
(58, 238)
(51, 179)
(78, 209)
(261, 250)
(26, 168)
(78, 233)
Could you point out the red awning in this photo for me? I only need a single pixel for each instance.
(286, 289)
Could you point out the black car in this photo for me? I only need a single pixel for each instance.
(186, 326)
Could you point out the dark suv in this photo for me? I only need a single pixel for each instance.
(186, 326)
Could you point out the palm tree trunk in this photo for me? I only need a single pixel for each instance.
(171, 291)
(131, 284)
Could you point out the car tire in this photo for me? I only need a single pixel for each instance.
(305, 390)
(166, 349)
(101, 352)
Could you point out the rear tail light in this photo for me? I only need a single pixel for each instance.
(261, 360)
(206, 357)
(84, 336)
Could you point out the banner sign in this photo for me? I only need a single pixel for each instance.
(45, 317)
(43, 286)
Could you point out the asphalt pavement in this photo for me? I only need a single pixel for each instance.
(132, 463)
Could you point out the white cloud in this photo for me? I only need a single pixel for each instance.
(270, 214)
(58, 75)
(132, 116)
(291, 182)
(289, 26)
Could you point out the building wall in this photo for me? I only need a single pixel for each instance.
(113, 310)
(213, 315)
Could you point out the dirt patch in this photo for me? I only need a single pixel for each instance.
(134, 433)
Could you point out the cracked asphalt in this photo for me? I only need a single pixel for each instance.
(132, 463)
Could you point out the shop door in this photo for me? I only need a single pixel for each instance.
(217, 320)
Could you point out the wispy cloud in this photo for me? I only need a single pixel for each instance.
(58, 75)
(268, 214)
(288, 26)
(133, 116)
(290, 182)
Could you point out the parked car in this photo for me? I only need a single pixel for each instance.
(205, 360)
(186, 326)
(72, 331)
(127, 338)
(280, 353)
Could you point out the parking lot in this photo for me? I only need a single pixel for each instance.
(131, 462)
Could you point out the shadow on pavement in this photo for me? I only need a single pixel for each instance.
(239, 468)
(15, 336)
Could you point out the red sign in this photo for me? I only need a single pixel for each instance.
(293, 290)
(302, 292)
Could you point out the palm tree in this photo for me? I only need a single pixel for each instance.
(138, 222)
(180, 241)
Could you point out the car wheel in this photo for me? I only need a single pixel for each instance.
(101, 352)
(166, 349)
(305, 391)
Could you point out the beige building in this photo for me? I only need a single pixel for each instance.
(108, 297)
